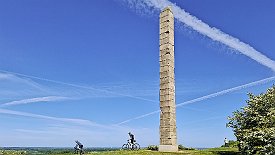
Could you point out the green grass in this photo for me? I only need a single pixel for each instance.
(212, 151)
(11, 152)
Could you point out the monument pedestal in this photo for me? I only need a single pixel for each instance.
(168, 148)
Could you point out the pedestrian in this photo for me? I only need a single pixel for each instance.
(226, 142)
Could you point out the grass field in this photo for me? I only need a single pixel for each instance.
(213, 151)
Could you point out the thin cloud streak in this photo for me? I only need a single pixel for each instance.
(138, 117)
(68, 120)
(203, 28)
(34, 100)
(223, 92)
(79, 86)
(12, 78)
(263, 81)
(4, 76)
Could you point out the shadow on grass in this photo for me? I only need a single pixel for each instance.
(224, 151)
(227, 153)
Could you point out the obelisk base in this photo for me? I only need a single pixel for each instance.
(168, 148)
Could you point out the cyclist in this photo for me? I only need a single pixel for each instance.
(79, 147)
(132, 144)
(132, 138)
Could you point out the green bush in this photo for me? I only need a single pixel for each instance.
(181, 147)
(254, 125)
(8, 152)
(232, 143)
(153, 147)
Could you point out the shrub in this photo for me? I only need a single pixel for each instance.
(181, 147)
(254, 125)
(232, 143)
(153, 147)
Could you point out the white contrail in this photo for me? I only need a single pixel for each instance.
(138, 117)
(203, 28)
(226, 91)
(11, 77)
(77, 86)
(33, 100)
(4, 76)
(70, 120)
(151, 113)
(82, 122)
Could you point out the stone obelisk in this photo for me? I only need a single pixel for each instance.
(168, 134)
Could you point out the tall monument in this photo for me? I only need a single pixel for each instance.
(168, 134)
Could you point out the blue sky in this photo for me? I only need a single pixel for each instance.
(75, 69)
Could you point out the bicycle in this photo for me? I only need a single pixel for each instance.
(130, 146)
(80, 151)
(78, 148)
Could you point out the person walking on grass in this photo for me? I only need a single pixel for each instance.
(226, 142)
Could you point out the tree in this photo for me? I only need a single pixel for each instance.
(254, 124)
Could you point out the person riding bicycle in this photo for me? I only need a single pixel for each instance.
(78, 147)
(131, 143)
(132, 138)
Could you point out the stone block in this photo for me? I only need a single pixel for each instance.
(168, 148)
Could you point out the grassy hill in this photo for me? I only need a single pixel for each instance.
(213, 151)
